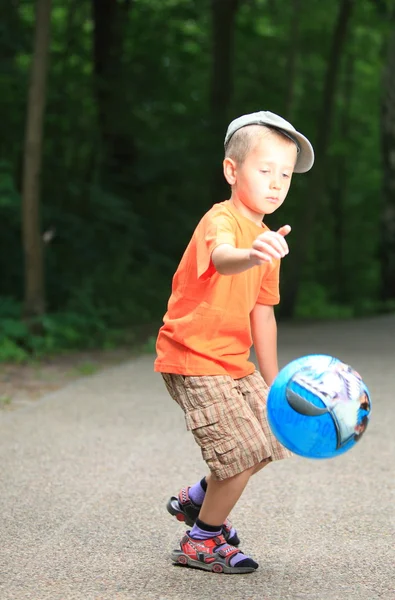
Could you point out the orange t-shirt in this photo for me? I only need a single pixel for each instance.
(207, 328)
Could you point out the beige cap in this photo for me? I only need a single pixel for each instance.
(305, 158)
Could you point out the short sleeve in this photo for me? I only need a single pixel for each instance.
(270, 287)
(218, 229)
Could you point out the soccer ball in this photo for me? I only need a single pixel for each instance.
(318, 407)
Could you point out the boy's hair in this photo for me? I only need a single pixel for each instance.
(245, 139)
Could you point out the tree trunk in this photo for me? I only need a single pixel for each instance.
(31, 226)
(293, 56)
(119, 152)
(340, 191)
(317, 183)
(223, 13)
(387, 233)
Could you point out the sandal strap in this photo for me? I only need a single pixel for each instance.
(209, 547)
(227, 525)
(228, 551)
(184, 499)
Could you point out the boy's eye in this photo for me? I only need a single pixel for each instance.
(264, 171)
(286, 175)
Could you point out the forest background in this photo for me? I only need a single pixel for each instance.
(113, 119)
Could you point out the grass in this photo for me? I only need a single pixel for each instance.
(5, 401)
(85, 369)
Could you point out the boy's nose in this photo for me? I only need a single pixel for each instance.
(276, 183)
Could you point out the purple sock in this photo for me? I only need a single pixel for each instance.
(232, 532)
(239, 557)
(197, 492)
(202, 531)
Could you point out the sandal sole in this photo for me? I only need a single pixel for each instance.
(182, 559)
(177, 513)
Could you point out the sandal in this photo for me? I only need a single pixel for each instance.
(213, 555)
(185, 510)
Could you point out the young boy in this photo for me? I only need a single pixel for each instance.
(222, 300)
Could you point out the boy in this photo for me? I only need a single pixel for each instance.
(222, 300)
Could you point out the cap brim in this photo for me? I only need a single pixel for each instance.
(305, 158)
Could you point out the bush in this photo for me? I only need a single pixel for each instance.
(58, 332)
(313, 303)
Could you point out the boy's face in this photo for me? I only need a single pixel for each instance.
(260, 184)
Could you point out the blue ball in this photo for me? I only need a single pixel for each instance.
(318, 407)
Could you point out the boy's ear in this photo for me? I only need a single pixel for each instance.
(230, 170)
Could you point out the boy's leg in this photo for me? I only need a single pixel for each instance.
(199, 398)
(222, 495)
(205, 538)
(197, 492)
(235, 443)
(186, 507)
(229, 487)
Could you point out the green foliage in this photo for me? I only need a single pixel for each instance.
(9, 196)
(150, 346)
(54, 333)
(10, 351)
(313, 303)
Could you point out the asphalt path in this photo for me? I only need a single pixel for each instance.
(85, 474)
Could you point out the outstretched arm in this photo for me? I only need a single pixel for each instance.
(271, 244)
(264, 335)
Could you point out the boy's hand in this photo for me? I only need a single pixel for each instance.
(269, 245)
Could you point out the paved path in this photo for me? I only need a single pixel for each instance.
(86, 471)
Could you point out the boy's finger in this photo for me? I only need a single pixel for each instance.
(278, 242)
(280, 239)
(270, 246)
(261, 255)
(284, 230)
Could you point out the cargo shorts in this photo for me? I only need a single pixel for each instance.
(228, 420)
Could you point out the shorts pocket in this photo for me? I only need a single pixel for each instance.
(202, 417)
(227, 452)
(205, 425)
